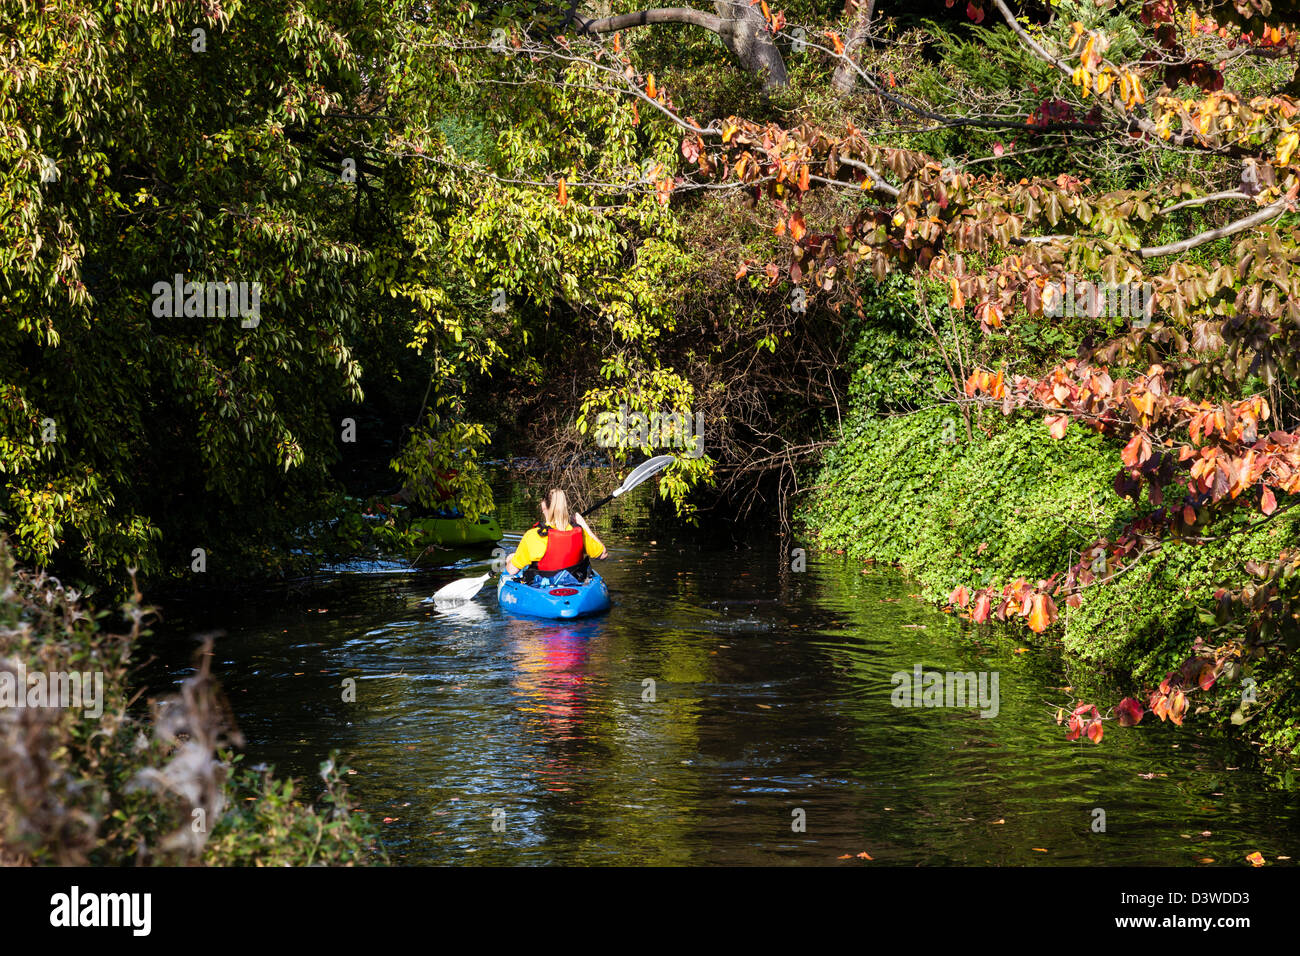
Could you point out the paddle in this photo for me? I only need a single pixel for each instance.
(465, 589)
(462, 590)
(642, 472)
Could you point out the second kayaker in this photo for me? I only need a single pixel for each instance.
(554, 548)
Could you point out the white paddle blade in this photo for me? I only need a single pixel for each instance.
(647, 469)
(462, 590)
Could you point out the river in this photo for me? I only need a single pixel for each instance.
(728, 710)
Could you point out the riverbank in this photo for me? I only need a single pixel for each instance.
(87, 779)
(914, 491)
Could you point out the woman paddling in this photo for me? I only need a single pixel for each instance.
(554, 548)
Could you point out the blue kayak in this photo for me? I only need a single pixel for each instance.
(557, 601)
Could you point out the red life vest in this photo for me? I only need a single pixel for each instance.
(564, 549)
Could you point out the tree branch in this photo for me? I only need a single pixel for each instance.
(625, 21)
(1201, 238)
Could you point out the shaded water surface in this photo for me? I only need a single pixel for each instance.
(771, 695)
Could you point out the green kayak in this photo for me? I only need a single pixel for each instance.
(460, 530)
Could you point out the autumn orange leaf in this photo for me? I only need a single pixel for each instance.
(1042, 613)
(1255, 859)
(798, 228)
(563, 194)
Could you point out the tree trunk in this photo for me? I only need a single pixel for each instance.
(744, 31)
(845, 77)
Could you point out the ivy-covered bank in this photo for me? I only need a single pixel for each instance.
(87, 779)
(914, 491)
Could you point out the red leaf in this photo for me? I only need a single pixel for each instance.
(1095, 730)
(1136, 451)
(1208, 676)
(1129, 711)
(1267, 502)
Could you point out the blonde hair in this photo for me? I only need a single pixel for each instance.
(558, 502)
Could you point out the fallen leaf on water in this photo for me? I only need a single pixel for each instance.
(1284, 858)
(1206, 859)
(864, 855)
(766, 706)
(1205, 833)
(1038, 849)
(846, 856)
(390, 819)
(1021, 650)
(996, 822)
(1255, 859)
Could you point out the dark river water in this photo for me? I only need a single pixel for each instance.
(768, 735)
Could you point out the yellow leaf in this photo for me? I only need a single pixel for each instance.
(1286, 147)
